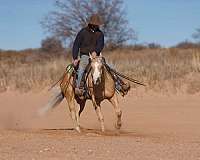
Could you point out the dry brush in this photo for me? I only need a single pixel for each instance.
(163, 70)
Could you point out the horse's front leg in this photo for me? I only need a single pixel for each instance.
(99, 113)
(74, 115)
(67, 89)
(100, 118)
(70, 97)
(115, 103)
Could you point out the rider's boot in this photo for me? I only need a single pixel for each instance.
(80, 87)
(79, 90)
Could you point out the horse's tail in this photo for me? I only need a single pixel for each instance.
(53, 102)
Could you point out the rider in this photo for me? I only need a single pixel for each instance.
(89, 40)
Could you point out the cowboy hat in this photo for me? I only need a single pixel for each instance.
(95, 19)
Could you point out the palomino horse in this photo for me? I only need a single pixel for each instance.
(101, 86)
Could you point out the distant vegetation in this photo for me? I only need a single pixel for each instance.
(196, 35)
(163, 70)
(187, 45)
(52, 45)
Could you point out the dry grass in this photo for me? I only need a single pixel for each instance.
(166, 70)
(29, 71)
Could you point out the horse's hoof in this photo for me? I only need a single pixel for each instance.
(103, 130)
(118, 125)
(78, 129)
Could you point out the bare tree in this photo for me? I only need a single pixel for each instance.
(51, 45)
(71, 15)
(196, 35)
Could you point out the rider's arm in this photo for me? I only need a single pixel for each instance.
(100, 44)
(76, 46)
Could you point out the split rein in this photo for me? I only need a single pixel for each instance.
(123, 76)
(112, 71)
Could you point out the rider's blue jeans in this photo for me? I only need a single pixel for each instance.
(84, 60)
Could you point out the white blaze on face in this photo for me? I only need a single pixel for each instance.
(96, 73)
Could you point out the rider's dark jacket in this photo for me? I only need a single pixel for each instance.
(88, 41)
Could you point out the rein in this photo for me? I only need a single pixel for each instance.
(123, 76)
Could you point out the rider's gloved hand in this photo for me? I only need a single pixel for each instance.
(75, 62)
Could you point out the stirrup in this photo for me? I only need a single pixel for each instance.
(78, 91)
(126, 87)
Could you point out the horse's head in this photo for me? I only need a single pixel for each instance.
(96, 69)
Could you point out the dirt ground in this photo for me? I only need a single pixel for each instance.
(156, 127)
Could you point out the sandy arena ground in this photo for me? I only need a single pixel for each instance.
(156, 127)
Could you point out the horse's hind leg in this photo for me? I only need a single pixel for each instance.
(67, 89)
(82, 106)
(115, 103)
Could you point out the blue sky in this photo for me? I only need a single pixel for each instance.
(162, 21)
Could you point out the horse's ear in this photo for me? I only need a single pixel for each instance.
(90, 55)
(100, 55)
